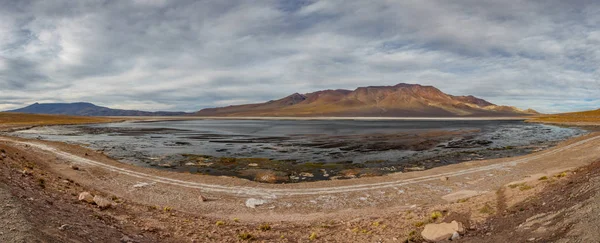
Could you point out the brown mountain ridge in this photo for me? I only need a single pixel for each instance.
(401, 100)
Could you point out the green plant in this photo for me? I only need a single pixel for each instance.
(245, 236)
(543, 178)
(167, 209)
(486, 209)
(236, 220)
(220, 223)
(561, 175)
(313, 236)
(436, 215)
(525, 187)
(265, 227)
(419, 224)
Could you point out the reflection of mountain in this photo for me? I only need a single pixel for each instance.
(88, 109)
(402, 100)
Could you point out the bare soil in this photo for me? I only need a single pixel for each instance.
(39, 188)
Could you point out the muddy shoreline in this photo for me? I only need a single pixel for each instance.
(337, 152)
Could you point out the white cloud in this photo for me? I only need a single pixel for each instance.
(187, 55)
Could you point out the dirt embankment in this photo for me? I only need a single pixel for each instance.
(45, 178)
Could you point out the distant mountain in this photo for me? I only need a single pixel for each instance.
(402, 100)
(88, 109)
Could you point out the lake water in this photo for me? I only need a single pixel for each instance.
(326, 148)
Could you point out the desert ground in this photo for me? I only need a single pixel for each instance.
(547, 196)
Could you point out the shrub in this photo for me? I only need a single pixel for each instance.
(436, 215)
(220, 223)
(486, 209)
(265, 227)
(245, 236)
(313, 236)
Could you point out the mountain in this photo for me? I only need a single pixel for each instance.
(88, 109)
(402, 100)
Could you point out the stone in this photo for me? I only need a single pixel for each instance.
(74, 167)
(86, 197)
(63, 227)
(455, 236)
(253, 202)
(126, 239)
(102, 203)
(441, 232)
(253, 165)
(202, 198)
(444, 178)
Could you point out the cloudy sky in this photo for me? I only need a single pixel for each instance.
(187, 55)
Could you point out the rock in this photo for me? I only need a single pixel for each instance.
(74, 167)
(27, 172)
(102, 203)
(126, 239)
(63, 227)
(441, 232)
(253, 202)
(3, 156)
(202, 198)
(86, 197)
(455, 236)
(306, 174)
(143, 184)
(253, 165)
(444, 178)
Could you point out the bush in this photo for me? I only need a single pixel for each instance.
(265, 227)
(245, 236)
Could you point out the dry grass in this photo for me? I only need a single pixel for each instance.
(573, 117)
(20, 119)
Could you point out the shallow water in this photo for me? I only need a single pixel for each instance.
(388, 145)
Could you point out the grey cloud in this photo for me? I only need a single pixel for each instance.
(186, 55)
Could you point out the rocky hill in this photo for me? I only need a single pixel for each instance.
(402, 100)
(88, 109)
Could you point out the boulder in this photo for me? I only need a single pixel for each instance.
(102, 203)
(443, 231)
(86, 197)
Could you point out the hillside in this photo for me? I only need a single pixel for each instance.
(402, 100)
(583, 118)
(87, 109)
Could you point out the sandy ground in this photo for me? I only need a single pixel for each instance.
(153, 205)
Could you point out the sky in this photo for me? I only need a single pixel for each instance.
(188, 55)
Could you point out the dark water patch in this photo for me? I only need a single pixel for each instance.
(296, 151)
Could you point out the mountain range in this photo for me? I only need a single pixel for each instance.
(401, 100)
(88, 109)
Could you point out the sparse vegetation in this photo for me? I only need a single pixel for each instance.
(436, 215)
(220, 223)
(19, 119)
(464, 200)
(313, 236)
(265, 227)
(525, 187)
(245, 236)
(167, 209)
(419, 224)
(543, 178)
(486, 209)
(236, 220)
(42, 182)
(561, 175)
